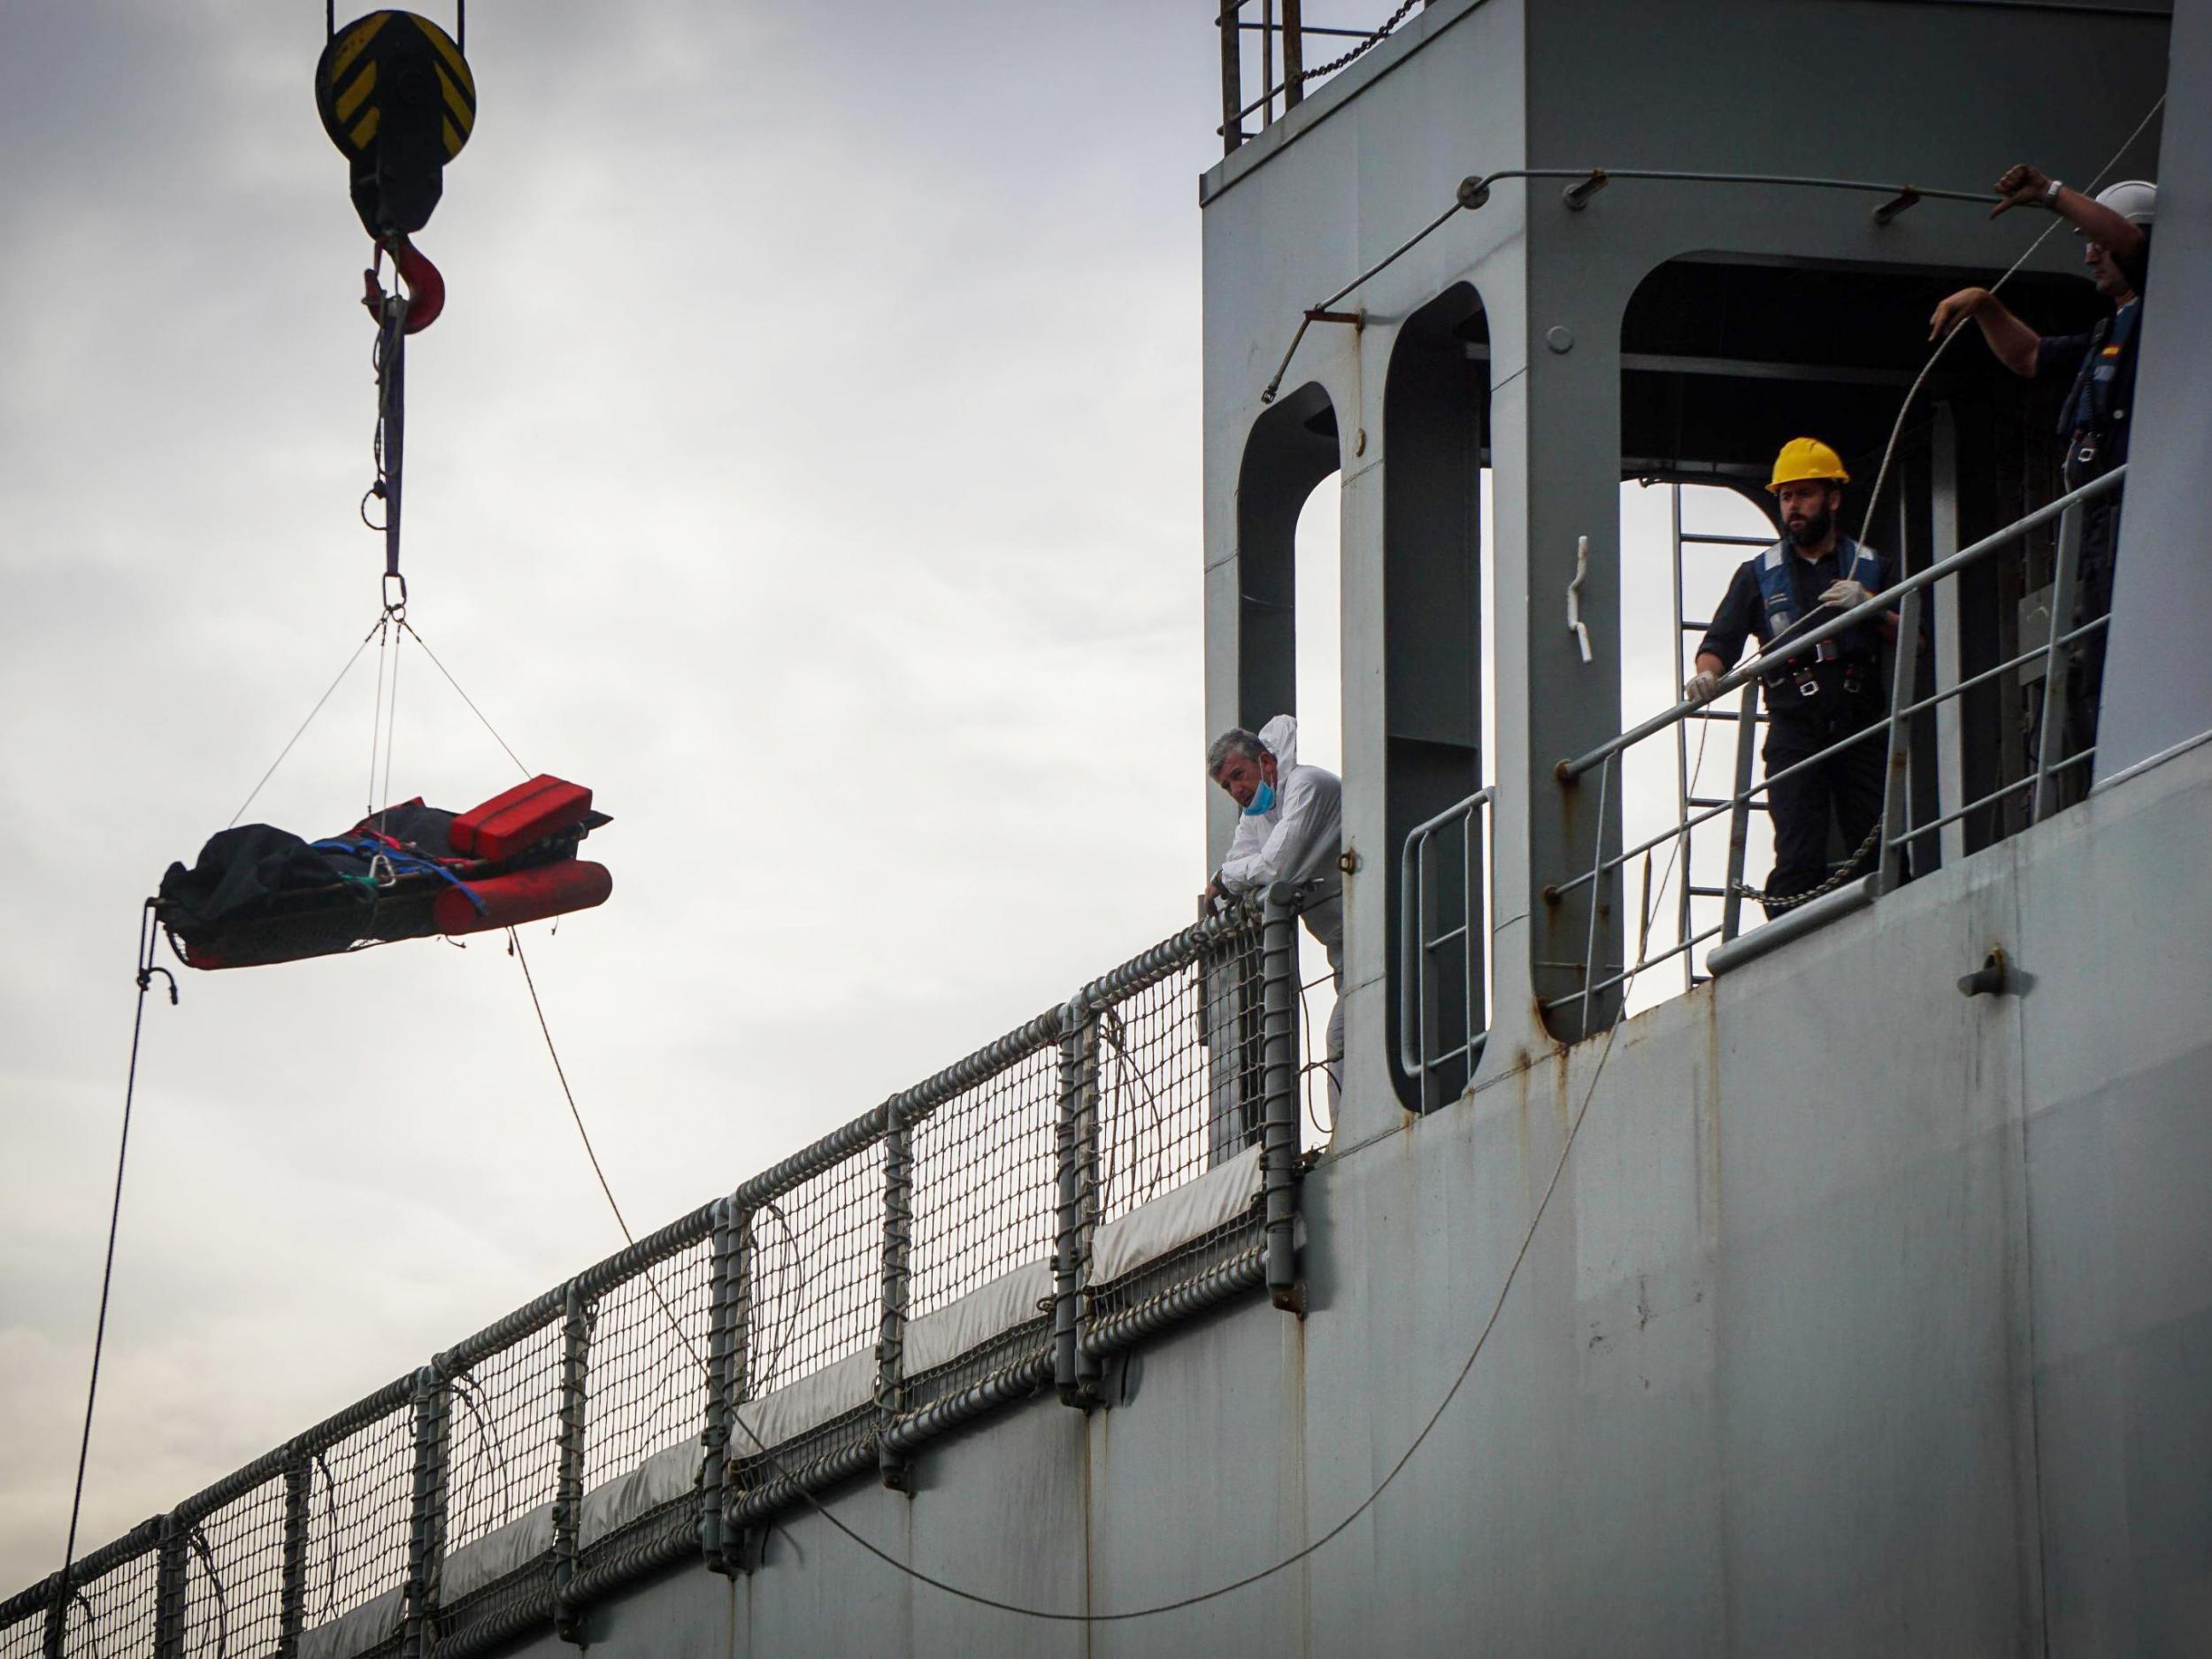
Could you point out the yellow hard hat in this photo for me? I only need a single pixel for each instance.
(1803, 458)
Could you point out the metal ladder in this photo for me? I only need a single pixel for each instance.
(1687, 632)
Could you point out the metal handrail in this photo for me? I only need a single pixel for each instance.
(1414, 948)
(1906, 597)
(1568, 770)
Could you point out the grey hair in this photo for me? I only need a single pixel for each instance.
(1235, 740)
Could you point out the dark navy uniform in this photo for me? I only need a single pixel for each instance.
(2095, 422)
(1813, 704)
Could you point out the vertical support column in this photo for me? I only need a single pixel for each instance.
(299, 1476)
(169, 1590)
(1896, 791)
(568, 1491)
(1279, 1061)
(1074, 1373)
(738, 1382)
(714, 1437)
(1554, 322)
(898, 1243)
(2050, 747)
(426, 1533)
(1293, 53)
(57, 1614)
(1232, 77)
(1739, 816)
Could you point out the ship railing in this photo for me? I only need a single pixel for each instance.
(2040, 789)
(1122, 1162)
(1292, 55)
(1441, 1018)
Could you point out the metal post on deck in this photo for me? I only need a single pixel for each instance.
(1293, 53)
(898, 1242)
(2050, 747)
(299, 1490)
(568, 1487)
(1739, 814)
(169, 1590)
(426, 1531)
(1074, 1373)
(1279, 1061)
(1232, 77)
(734, 1302)
(714, 1437)
(1896, 777)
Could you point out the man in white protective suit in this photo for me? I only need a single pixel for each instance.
(1290, 828)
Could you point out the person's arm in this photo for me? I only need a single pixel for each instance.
(1244, 847)
(2025, 186)
(1284, 847)
(2011, 342)
(1722, 644)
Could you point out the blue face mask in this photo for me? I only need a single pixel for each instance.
(1263, 800)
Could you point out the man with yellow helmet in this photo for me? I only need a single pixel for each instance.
(1817, 699)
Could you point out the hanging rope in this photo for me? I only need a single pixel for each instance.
(148, 935)
(464, 696)
(308, 721)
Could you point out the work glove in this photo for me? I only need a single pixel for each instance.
(1846, 594)
(1701, 688)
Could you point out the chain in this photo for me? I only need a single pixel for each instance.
(1849, 871)
(1364, 48)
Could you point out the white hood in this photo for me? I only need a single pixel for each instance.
(1279, 736)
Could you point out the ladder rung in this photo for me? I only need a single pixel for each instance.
(1697, 627)
(1706, 540)
(1708, 892)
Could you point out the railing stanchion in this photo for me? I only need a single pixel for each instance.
(169, 1591)
(568, 1490)
(2050, 747)
(1293, 53)
(426, 1532)
(1071, 1369)
(1232, 76)
(898, 1244)
(1739, 813)
(299, 1485)
(1896, 775)
(739, 1383)
(1597, 891)
(714, 1437)
(1279, 1025)
(1413, 992)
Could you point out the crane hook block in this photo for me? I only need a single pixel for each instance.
(396, 97)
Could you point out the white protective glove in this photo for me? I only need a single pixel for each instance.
(1701, 686)
(1846, 594)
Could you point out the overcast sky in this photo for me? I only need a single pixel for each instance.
(807, 459)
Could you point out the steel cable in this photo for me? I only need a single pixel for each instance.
(148, 936)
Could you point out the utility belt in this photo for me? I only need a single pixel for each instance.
(1800, 684)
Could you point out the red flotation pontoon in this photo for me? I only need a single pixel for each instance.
(258, 894)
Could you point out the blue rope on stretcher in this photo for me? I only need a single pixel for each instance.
(401, 863)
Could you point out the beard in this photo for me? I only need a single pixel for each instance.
(1814, 531)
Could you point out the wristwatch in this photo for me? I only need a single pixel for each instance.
(2050, 193)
